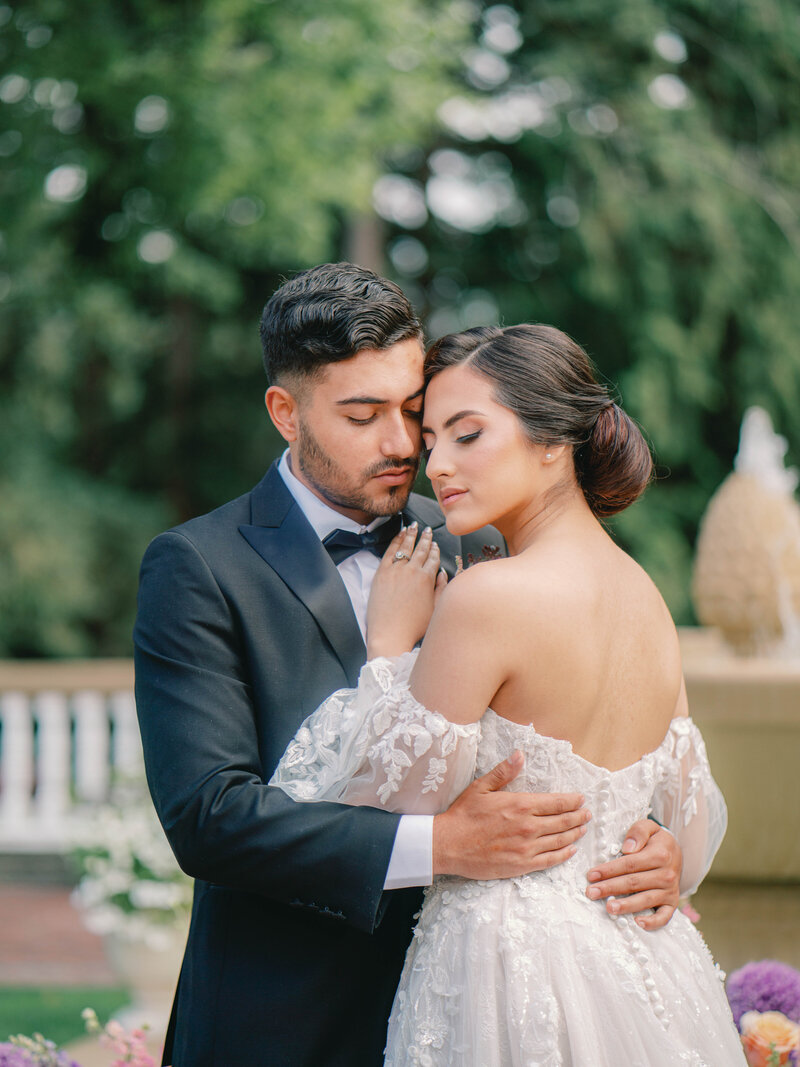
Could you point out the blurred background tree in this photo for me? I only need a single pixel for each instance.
(164, 165)
(625, 171)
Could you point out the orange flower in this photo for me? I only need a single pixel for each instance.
(765, 1034)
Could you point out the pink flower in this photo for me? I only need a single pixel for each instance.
(690, 913)
(768, 1034)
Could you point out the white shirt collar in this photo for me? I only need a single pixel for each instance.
(323, 518)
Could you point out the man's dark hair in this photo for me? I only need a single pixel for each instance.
(329, 313)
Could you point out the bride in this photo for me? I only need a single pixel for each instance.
(564, 656)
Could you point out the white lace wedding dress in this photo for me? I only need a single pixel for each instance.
(528, 972)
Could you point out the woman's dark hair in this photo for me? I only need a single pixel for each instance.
(547, 380)
(329, 313)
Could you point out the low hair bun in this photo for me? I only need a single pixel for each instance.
(614, 466)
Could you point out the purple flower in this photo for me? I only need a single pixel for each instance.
(14, 1056)
(767, 985)
(11, 1056)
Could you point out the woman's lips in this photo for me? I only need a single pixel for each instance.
(450, 496)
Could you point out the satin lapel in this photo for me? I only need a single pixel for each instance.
(285, 540)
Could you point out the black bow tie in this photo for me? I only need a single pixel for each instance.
(341, 544)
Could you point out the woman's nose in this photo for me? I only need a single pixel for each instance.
(437, 464)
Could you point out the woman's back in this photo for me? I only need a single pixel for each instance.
(591, 651)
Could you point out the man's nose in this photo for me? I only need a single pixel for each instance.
(401, 439)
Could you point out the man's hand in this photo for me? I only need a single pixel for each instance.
(488, 833)
(647, 875)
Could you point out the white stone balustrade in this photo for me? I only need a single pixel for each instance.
(66, 732)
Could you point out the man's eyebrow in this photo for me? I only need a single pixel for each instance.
(375, 400)
(453, 419)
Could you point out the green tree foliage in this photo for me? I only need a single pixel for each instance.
(628, 172)
(163, 166)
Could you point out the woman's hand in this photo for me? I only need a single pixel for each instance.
(403, 593)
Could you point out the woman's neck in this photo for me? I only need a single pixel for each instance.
(543, 518)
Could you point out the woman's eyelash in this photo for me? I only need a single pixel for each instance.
(469, 437)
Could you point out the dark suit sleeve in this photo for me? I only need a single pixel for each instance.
(201, 746)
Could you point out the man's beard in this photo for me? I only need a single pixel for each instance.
(327, 477)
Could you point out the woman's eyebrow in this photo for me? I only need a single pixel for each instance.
(452, 420)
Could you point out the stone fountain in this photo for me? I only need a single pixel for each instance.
(743, 667)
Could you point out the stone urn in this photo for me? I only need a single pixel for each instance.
(149, 969)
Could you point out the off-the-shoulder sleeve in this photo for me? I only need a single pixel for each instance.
(376, 745)
(688, 802)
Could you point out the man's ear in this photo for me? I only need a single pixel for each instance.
(283, 409)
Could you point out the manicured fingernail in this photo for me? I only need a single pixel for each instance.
(641, 922)
(628, 844)
(593, 876)
(593, 893)
(413, 525)
(583, 830)
(613, 905)
(427, 530)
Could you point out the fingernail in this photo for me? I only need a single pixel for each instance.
(427, 530)
(628, 844)
(593, 876)
(583, 830)
(413, 525)
(641, 922)
(613, 905)
(593, 894)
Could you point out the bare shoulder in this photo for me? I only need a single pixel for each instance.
(496, 595)
(473, 592)
(651, 618)
(648, 593)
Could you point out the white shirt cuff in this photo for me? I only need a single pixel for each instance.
(411, 863)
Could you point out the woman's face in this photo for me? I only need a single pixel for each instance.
(483, 469)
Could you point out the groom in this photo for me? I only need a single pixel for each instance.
(248, 618)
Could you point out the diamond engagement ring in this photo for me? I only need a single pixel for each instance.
(400, 555)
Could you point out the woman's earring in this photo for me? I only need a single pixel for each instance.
(548, 455)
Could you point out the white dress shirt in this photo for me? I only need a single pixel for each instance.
(411, 862)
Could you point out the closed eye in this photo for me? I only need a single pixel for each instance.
(361, 422)
(469, 437)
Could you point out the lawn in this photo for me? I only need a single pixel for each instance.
(56, 1013)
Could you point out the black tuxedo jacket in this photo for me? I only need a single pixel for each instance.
(244, 627)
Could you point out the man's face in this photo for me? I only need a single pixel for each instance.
(358, 442)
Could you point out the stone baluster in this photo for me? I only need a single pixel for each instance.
(92, 730)
(53, 764)
(16, 764)
(127, 748)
